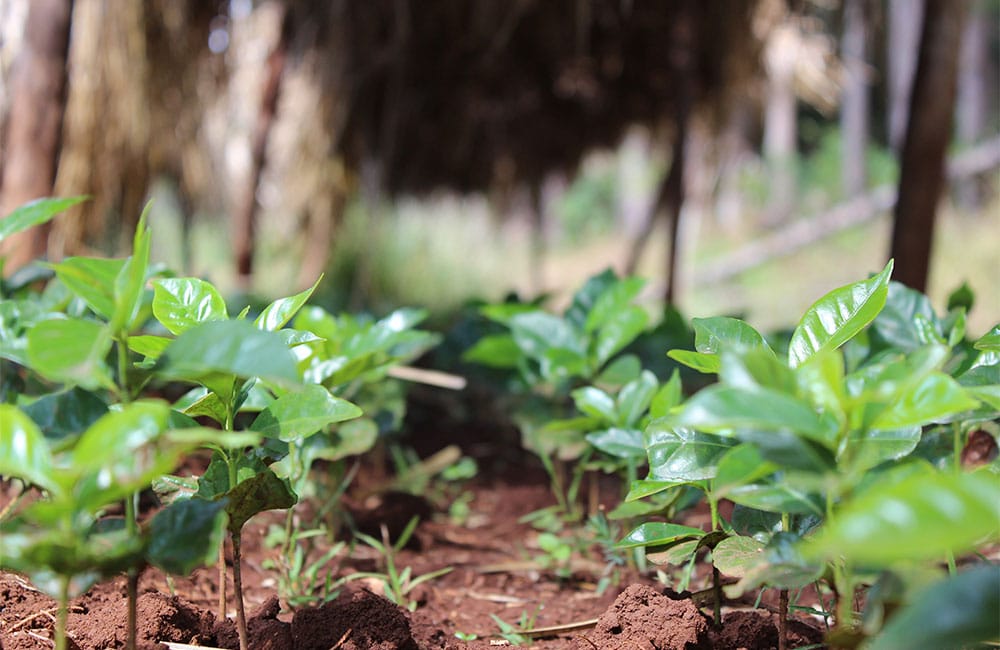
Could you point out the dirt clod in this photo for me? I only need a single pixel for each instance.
(644, 619)
(357, 620)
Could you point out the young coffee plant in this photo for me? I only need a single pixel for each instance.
(830, 454)
(553, 355)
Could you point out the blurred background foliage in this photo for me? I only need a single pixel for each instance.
(431, 152)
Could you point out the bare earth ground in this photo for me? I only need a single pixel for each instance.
(491, 575)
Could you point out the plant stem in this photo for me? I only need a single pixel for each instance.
(222, 581)
(131, 576)
(241, 618)
(782, 619)
(63, 613)
(717, 598)
(956, 436)
(845, 597)
(713, 506)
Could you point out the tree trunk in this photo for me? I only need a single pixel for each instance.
(904, 18)
(780, 123)
(973, 102)
(34, 126)
(922, 172)
(854, 101)
(244, 227)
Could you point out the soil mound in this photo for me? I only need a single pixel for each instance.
(643, 618)
(357, 620)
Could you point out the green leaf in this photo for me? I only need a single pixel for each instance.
(618, 331)
(588, 295)
(722, 408)
(613, 300)
(302, 413)
(922, 517)
(821, 380)
(35, 213)
(713, 335)
(93, 280)
(148, 345)
(958, 612)
(735, 556)
(278, 313)
(66, 414)
(896, 323)
(703, 362)
(72, 351)
(635, 397)
(24, 452)
(682, 454)
(186, 535)
(120, 441)
(933, 399)
(131, 280)
(352, 438)
(596, 403)
(667, 397)
(496, 351)
(873, 447)
(621, 443)
(659, 534)
(739, 466)
(989, 342)
(537, 332)
(753, 368)
(646, 488)
(782, 566)
(619, 372)
(208, 405)
(258, 493)
(181, 303)
(838, 316)
(233, 348)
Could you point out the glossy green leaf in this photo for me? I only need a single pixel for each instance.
(782, 566)
(537, 332)
(277, 314)
(258, 493)
(148, 345)
(933, 399)
(820, 380)
(131, 280)
(989, 342)
(587, 296)
(618, 331)
(777, 495)
(560, 365)
(186, 535)
(896, 323)
(35, 213)
(790, 450)
(736, 555)
(613, 300)
(867, 449)
(120, 442)
(921, 517)
(302, 413)
(230, 348)
(621, 443)
(352, 438)
(66, 414)
(756, 368)
(24, 452)
(682, 454)
(659, 534)
(181, 303)
(71, 351)
(667, 397)
(646, 488)
(712, 335)
(596, 403)
(703, 362)
(619, 372)
(635, 398)
(740, 465)
(958, 612)
(208, 405)
(93, 280)
(677, 554)
(838, 316)
(722, 408)
(496, 351)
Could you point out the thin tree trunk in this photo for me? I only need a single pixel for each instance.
(972, 103)
(244, 221)
(854, 102)
(902, 44)
(780, 122)
(34, 126)
(922, 172)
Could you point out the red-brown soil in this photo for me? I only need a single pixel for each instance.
(491, 555)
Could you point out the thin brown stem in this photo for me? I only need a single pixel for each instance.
(241, 617)
(783, 619)
(717, 598)
(222, 581)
